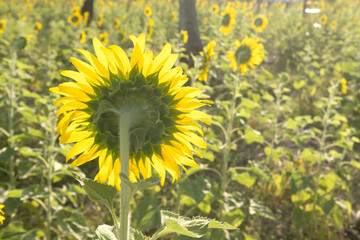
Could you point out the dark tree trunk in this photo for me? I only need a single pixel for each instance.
(188, 22)
(88, 6)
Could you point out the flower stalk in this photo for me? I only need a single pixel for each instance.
(125, 196)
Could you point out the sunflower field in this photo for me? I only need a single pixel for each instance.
(179, 119)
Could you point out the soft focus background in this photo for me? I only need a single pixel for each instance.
(293, 171)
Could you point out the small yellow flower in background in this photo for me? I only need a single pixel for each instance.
(2, 26)
(104, 38)
(147, 11)
(228, 21)
(206, 20)
(2, 218)
(259, 23)
(184, 36)
(333, 24)
(121, 35)
(323, 19)
(75, 19)
(86, 17)
(299, 162)
(214, 8)
(150, 28)
(28, 37)
(343, 86)
(164, 127)
(207, 54)
(100, 19)
(38, 27)
(238, 4)
(117, 23)
(248, 53)
(82, 36)
(173, 16)
(111, 4)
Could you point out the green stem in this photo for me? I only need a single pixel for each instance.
(12, 99)
(228, 143)
(125, 195)
(50, 156)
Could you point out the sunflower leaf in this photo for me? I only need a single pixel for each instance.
(99, 192)
(196, 227)
(105, 232)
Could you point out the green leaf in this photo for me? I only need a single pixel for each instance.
(105, 232)
(252, 135)
(140, 185)
(99, 192)
(355, 163)
(245, 179)
(298, 85)
(262, 210)
(309, 156)
(196, 227)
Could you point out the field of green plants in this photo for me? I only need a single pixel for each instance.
(256, 136)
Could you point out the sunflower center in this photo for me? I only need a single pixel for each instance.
(243, 54)
(1, 25)
(144, 102)
(226, 20)
(74, 19)
(258, 22)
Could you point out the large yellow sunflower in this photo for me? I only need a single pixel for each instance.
(259, 23)
(2, 26)
(164, 131)
(228, 21)
(2, 218)
(248, 53)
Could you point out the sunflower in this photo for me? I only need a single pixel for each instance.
(117, 23)
(82, 36)
(323, 19)
(86, 17)
(333, 24)
(184, 36)
(147, 11)
(164, 130)
(214, 8)
(2, 26)
(2, 218)
(104, 38)
(75, 19)
(259, 23)
(206, 54)
(173, 16)
(38, 27)
(248, 52)
(228, 21)
(150, 28)
(121, 35)
(100, 19)
(343, 86)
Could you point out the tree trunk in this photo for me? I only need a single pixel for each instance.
(188, 22)
(88, 6)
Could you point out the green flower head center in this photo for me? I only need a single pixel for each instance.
(258, 22)
(147, 104)
(226, 20)
(121, 35)
(243, 54)
(1, 25)
(74, 19)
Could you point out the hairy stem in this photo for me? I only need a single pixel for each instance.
(125, 191)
